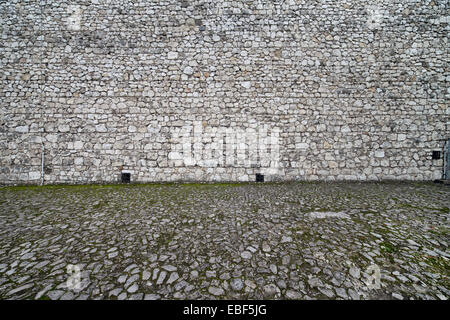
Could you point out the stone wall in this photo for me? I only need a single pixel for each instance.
(222, 90)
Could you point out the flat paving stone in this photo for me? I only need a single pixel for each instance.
(216, 291)
(312, 240)
(237, 284)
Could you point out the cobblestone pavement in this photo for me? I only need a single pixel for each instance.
(235, 241)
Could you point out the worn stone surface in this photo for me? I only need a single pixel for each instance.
(185, 241)
(222, 90)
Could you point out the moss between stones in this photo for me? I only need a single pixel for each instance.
(388, 248)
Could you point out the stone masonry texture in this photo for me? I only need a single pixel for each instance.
(178, 90)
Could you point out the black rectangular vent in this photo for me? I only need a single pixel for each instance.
(259, 177)
(436, 155)
(126, 177)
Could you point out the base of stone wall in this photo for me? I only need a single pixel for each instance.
(220, 175)
(446, 182)
(107, 183)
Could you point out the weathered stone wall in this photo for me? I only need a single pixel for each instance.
(210, 90)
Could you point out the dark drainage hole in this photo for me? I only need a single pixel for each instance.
(259, 177)
(126, 177)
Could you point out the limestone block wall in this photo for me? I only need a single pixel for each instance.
(221, 90)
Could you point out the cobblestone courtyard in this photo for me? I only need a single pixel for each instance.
(234, 241)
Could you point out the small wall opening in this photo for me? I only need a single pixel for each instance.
(259, 177)
(126, 177)
(436, 155)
